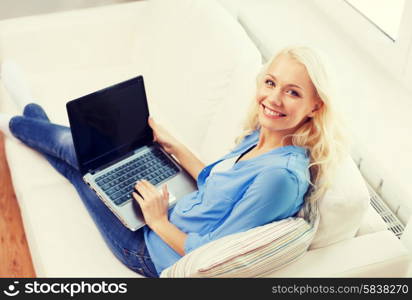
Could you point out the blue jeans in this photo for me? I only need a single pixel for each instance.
(55, 142)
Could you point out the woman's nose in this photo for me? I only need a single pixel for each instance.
(275, 98)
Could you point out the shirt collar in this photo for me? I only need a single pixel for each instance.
(253, 138)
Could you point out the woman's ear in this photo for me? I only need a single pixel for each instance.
(316, 107)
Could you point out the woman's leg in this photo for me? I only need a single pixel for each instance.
(35, 130)
(35, 111)
(55, 143)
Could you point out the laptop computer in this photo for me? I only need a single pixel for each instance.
(114, 148)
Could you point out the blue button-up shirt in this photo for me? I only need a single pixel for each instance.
(254, 192)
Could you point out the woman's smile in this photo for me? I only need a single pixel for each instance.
(272, 114)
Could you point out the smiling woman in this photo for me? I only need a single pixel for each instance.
(293, 107)
(289, 95)
(281, 163)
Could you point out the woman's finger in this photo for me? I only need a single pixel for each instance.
(150, 187)
(165, 195)
(165, 192)
(141, 188)
(138, 198)
(151, 122)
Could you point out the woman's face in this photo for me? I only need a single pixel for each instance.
(286, 96)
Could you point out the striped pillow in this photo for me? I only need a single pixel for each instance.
(252, 253)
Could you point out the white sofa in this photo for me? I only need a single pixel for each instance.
(198, 82)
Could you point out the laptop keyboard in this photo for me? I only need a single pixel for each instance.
(153, 166)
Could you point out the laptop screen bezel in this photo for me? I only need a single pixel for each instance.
(110, 158)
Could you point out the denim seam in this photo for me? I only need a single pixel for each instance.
(136, 254)
(142, 263)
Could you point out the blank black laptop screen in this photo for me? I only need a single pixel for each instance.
(109, 124)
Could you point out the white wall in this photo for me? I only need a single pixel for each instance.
(18, 8)
(376, 106)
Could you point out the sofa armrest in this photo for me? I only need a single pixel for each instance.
(378, 254)
(79, 38)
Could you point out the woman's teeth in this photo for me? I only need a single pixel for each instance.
(272, 113)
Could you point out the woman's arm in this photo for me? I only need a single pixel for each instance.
(188, 160)
(172, 146)
(172, 235)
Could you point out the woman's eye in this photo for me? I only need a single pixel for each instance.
(269, 82)
(293, 93)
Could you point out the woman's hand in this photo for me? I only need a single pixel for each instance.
(186, 158)
(154, 204)
(163, 137)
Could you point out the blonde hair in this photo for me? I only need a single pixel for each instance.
(322, 134)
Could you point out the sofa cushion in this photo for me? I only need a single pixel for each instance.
(191, 51)
(252, 253)
(343, 207)
(379, 254)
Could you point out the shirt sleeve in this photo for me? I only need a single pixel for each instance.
(271, 196)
